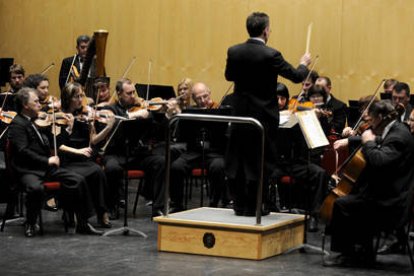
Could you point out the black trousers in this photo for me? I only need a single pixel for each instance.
(73, 195)
(313, 176)
(152, 164)
(180, 169)
(96, 182)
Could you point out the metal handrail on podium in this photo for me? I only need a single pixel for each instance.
(214, 118)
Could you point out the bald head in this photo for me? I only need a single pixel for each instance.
(201, 95)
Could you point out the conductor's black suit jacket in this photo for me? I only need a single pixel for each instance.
(254, 69)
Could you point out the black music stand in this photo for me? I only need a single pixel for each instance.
(155, 90)
(203, 136)
(133, 131)
(5, 64)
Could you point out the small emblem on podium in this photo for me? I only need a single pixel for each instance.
(209, 240)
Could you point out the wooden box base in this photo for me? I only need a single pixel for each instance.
(218, 232)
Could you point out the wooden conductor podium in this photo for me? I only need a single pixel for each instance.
(218, 232)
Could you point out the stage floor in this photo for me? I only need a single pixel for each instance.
(58, 253)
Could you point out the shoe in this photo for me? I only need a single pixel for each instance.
(86, 228)
(313, 224)
(104, 221)
(30, 230)
(340, 260)
(51, 205)
(122, 203)
(392, 248)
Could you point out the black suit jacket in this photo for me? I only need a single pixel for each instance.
(254, 68)
(389, 175)
(65, 69)
(30, 155)
(339, 111)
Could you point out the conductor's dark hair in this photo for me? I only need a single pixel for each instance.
(82, 38)
(21, 98)
(256, 23)
(400, 86)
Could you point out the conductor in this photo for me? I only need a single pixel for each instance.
(254, 68)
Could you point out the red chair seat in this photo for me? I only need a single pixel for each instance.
(197, 172)
(287, 180)
(51, 186)
(135, 174)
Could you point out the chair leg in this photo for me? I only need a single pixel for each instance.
(186, 192)
(40, 223)
(137, 196)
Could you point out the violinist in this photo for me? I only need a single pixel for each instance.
(306, 85)
(389, 85)
(33, 164)
(184, 92)
(72, 66)
(41, 84)
(101, 87)
(317, 95)
(380, 197)
(115, 160)
(211, 150)
(292, 160)
(17, 76)
(401, 95)
(338, 108)
(76, 150)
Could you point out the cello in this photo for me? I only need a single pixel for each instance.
(351, 170)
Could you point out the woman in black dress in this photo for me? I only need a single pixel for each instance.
(76, 148)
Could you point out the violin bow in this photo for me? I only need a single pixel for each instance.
(149, 79)
(225, 94)
(123, 76)
(50, 66)
(306, 79)
(369, 104)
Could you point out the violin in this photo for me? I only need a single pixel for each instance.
(294, 105)
(7, 116)
(45, 119)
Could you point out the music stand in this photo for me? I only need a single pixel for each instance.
(203, 135)
(133, 131)
(353, 112)
(5, 64)
(155, 90)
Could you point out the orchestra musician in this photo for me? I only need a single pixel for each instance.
(33, 164)
(114, 159)
(381, 195)
(72, 66)
(292, 160)
(41, 84)
(101, 86)
(76, 149)
(389, 85)
(16, 79)
(213, 158)
(184, 92)
(338, 108)
(254, 68)
(306, 85)
(401, 95)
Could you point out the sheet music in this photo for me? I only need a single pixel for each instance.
(287, 119)
(311, 129)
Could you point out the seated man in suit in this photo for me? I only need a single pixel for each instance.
(401, 95)
(33, 164)
(381, 195)
(213, 156)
